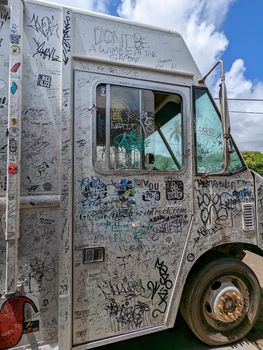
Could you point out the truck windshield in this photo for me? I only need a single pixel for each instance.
(209, 137)
(138, 129)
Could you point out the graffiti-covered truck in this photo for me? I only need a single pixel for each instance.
(124, 198)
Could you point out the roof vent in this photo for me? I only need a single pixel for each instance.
(248, 211)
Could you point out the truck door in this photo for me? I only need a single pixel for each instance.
(132, 202)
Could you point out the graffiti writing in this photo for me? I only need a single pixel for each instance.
(4, 16)
(128, 314)
(260, 196)
(46, 26)
(120, 46)
(218, 203)
(3, 101)
(124, 186)
(129, 289)
(160, 288)
(147, 122)
(93, 188)
(167, 225)
(131, 142)
(46, 52)
(66, 47)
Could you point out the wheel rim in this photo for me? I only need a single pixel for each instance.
(226, 303)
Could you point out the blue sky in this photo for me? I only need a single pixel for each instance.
(212, 29)
(244, 28)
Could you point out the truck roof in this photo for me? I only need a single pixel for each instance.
(108, 38)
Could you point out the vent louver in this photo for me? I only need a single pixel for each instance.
(248, 216)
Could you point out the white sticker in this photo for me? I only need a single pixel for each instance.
(2, 84)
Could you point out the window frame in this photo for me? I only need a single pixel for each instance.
(154, 87)
(228, 173)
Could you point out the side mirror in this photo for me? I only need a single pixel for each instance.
(227, 143)
(228, 147)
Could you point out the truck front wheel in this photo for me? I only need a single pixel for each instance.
(221, 302)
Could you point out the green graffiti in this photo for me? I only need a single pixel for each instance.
(131, 142)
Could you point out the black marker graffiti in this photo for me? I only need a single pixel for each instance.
(4, 16)
(46, 26)
(217, 208)
(127, 314)
(128, 289)
(2, 102)
(46, 52)
(160, 288)
(66, 48)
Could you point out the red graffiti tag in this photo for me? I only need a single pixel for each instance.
(11, 321)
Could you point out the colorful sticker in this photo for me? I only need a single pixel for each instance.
(15, 50)
(13, 88)
(14, 121)
(15, 67)
(31, 326)
(12, 169)
(15, 38)
(92, 108)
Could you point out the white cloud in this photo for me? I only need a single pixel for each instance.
(198, 21)
(92, 5)
(246, 127)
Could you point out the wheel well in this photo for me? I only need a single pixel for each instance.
(235, 250)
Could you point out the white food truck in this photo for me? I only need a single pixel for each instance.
(123, 197)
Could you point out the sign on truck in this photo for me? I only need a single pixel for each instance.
(123, 197)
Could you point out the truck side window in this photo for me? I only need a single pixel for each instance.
(209, 137)
(138, 129)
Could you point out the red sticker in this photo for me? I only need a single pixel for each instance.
(15, 67)
(12, 169)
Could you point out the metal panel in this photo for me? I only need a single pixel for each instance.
(131, 290)
(135, 45)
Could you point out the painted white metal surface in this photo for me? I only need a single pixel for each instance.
(52, 215)
(136, 45)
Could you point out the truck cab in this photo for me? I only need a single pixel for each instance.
(123, 194)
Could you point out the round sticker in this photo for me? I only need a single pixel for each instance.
(15, 50)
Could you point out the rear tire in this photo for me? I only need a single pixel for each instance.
(221, 302)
